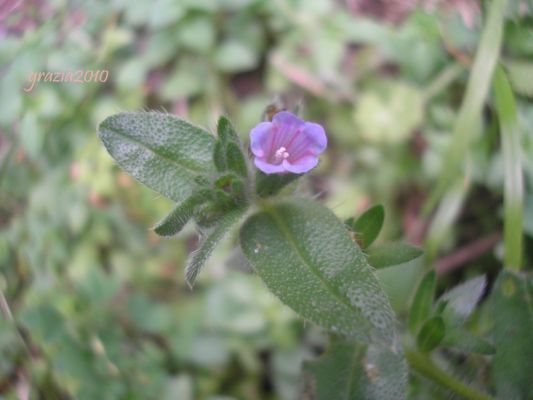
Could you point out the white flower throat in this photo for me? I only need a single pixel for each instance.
(282, 153)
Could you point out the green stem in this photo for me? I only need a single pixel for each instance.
(424, 366)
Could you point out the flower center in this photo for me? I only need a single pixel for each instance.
(281, 153)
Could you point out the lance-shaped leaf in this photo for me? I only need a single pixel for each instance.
(162, 151)
(219, 156)
(306, 257)
(422, 302)
(174, 222)
(228, 154)
(235, 159)
(354, 371)
(431, 334)
(512, 307)
(225, 131)
(368, 225)
(208, 243)
(390, 254)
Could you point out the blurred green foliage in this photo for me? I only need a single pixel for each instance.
(94, 305)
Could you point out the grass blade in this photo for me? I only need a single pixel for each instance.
(468, 119)
(513, 188)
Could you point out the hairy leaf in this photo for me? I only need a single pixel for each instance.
(174, 222)
(162, 151)
(225, 130)
(209, 242)
(235, 159)
(368, 225)
(390, 254)
(306, 257)
(219, 158)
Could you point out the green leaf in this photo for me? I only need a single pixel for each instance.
(390, 254)
(389, 114)
(235, 159)
(520, 72)
(462, 299)
(228, 154)
(431, 334)
(190, 77)
(219, 158)
(512, 305)
(160, 150)
(32, 134)
(209, 242)
(233, 56)
(225, 130)
(174, 222)
(354, 371)
(368, 225)
(422, 302)
(306, 257)
(465, 341)
(197, 33)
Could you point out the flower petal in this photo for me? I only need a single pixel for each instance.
(317, 134)
(303, 165)
(310, 141)
(258, 138)
(285, 118)
(268, 168)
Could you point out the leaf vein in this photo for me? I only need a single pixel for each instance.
(290, 239)
(180, 164)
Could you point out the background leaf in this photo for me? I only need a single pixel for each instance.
(462, 299)
(368, 225)
(422, 301)
(431, 334)
(306, 257)
(390, 254)
(520, 72)
(160, 150)
(353, 371)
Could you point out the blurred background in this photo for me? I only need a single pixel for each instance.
(94, 304)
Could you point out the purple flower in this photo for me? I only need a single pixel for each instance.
(287, 144)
